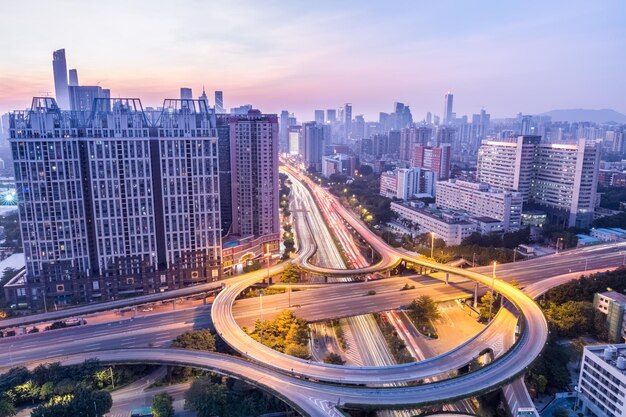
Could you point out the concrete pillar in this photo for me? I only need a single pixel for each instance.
(204, 299)
(447, 277)
(173, 304)
(476, 295)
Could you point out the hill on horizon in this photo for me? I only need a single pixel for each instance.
(586, 115)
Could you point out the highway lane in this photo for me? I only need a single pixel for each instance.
(309, 397)
(143, 331)
(349, 300)
(530, 344)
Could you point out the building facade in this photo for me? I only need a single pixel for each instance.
(602, 380)
(480, 200)
(114, 205)
(254, 168)
(436, 159)
(613, 305)
(558, 178)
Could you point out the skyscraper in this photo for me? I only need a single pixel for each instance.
(347, 120)
(314, 136)
(204, 97)
(118, 206)
(82, 96)
(186, 93)
(219, 102)
(331, 115)
(283, 138)
(447, 108)
(73, 77)
(435, 159)
(254, 167)
(59, 68)
(411, 136)
(319, 116)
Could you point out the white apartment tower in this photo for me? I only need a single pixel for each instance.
(559, 178)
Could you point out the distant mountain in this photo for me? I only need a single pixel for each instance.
(586, 115)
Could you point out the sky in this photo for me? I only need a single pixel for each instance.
(505, 56)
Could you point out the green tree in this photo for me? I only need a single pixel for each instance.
(162, 405)
(206, 398)
(299, 351)
(424, 308)
(291, 274)
(571, 318)
(334, 359)
(485, 303)
(539, 382)
(7, 409)
(196, 339)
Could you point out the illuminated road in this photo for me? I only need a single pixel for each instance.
(272, 369)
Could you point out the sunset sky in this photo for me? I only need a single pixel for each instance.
(528, 56)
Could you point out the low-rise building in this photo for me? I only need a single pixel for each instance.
(612, 234)
(450, 226)
(602, 380)
(479, 199)
(613, 305)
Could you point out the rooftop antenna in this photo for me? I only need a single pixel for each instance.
(47, 93)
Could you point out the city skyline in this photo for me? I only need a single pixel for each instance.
(505, 58)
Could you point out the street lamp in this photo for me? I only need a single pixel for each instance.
(493, 282)
(432, 245)
(557, 244)
(261, 314)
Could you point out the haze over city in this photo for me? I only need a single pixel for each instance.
(528, 57)
(316, 209)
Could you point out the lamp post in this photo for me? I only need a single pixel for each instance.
(493, 282)
(557, 244)
(261, 314)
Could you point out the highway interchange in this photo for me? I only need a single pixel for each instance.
(142, 332)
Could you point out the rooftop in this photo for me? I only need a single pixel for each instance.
(615, 296)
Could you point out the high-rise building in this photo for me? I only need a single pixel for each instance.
(447, 108)
(82, 96)
(508, 164)
(116, 206)
(331, 115)
(411, 136)
(559, 178)
(283, 132)
(566, 181)
(219, 102)
(186, 93)
(347, 120)
(59, 68)
(319, 116)
(358, 127)
(296, 144)
(405, 183)
(314, 137)
(73, 78)
(203, 97)
(254, 166)
(437, 159)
